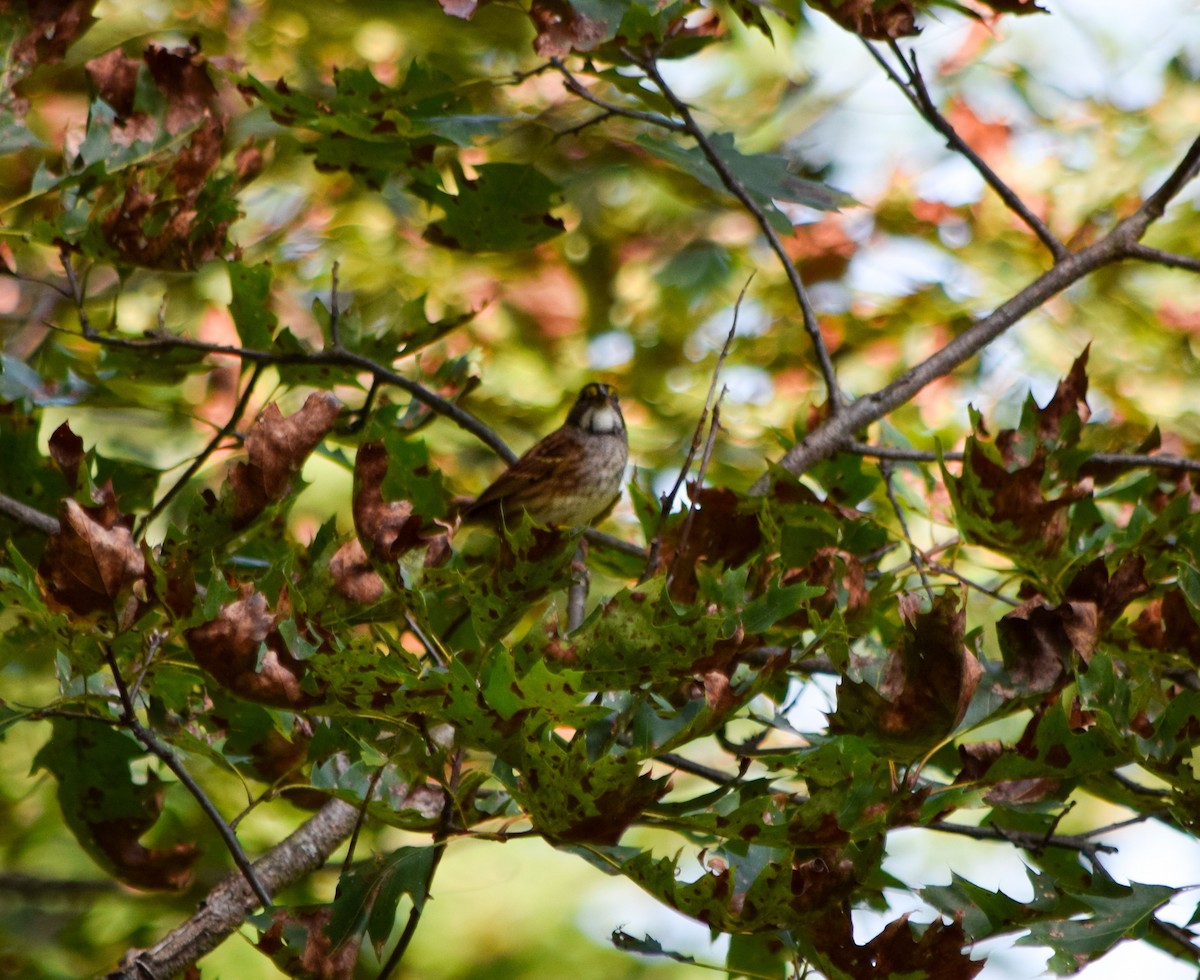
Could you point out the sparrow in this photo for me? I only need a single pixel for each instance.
(570, 478)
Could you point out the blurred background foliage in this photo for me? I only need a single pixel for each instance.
(1081, 110)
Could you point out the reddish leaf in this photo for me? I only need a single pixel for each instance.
(244, 651)
(92, 564)
(66, 449)
(842, 576)
(277, 448)
(114, 77)
(936, 954)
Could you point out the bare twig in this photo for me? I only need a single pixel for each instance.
(151, 742)
(611, 108)
(193, 467)
(667, 500)
(29, 516)
(577, 593)
(918, 560)
(335, 314)
(1169, 259)
(713, 428)
(362, 816)
(917, 93)
(1031, 840)
(735, 187)
(227, 905)
(1130, 460)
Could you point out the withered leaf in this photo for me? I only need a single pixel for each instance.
(66, 449)
(877, 20)
(53, 26)
(277, 448)
(718, 533)
(388, 529)
(318, 960)
(1167, 623)
(93, 564)
(926, 683)
(977, 759)
(561, 29)
(1037, 639)
(244, 651)
(353, 576)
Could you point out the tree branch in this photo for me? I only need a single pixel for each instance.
(227, 905)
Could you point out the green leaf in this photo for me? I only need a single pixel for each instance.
(250, 306)
(504, 209)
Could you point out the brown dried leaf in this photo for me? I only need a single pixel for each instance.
(388, 529)
(977, 759)
(1070, 398)
(353, 576)
(842, 576)
(319, 960)
(114, 77)
(277, 448)
(930, 679)
(53, 27)
(1168, 624)
(877, 20)
(561, 29)
(718, 533)
(135, 864)
(244, 652)
(92, 564)
(66, 449)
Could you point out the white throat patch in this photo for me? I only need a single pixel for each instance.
(603, 419)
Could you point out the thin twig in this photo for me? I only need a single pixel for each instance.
(713, 428)
(667, 500)
(917, 93)
(362, 816)
(1031, 840)
(1130, 460)
(918, 560)
(335, 315)
(29, 516)
(1171, 260)
(735, 187)
(611, 108)
(152, 744)
(836, 432)
(235, 416)
(333, 358)
(577, 593)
